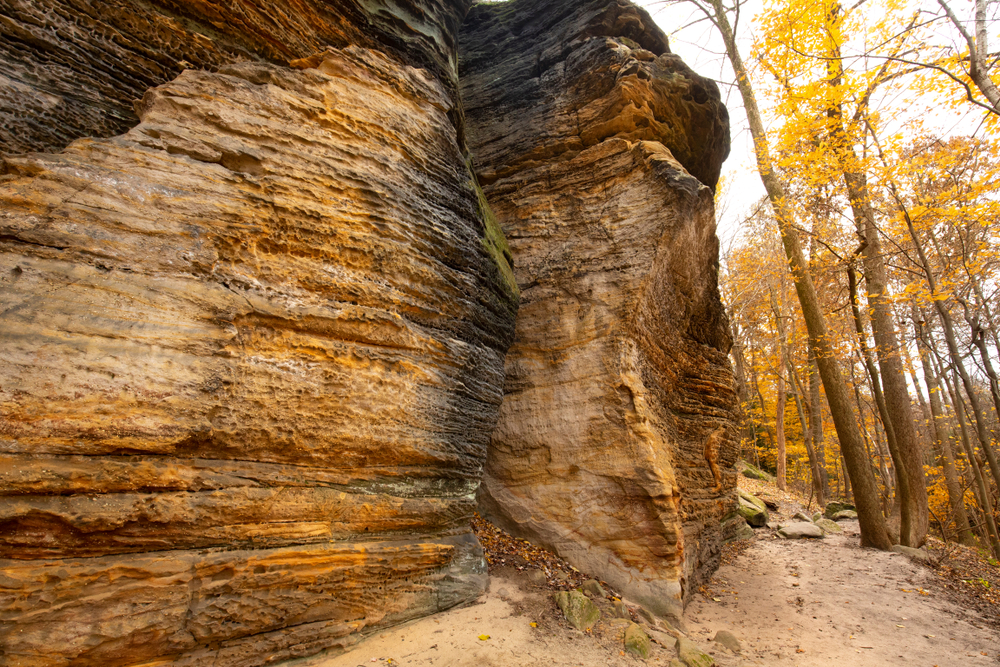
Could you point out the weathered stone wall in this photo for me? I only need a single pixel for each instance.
(599, 150)
(75, 68)
(251, 352)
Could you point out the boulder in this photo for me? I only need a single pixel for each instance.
(845, 515)
(799, 530)
(752, 509)
(617, 435)
(802, 516)
(835, 506)
(577, 608)
(637, 642)
(727, 639)
(828, 525)
(691, 654)
(594, 588)
(752, 472)
(816, 517)
(252, 349)
(919, 555)
(619, 609)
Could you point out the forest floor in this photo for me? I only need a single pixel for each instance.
(789, 602)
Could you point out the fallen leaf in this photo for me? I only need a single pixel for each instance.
(534, 625)
(900, 626)
(483, 637)
(717, 599)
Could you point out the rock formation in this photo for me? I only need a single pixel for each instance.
(599, 150)
(254, 307)
(251, 350)
(75, 68)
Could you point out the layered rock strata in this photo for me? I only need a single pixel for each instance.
(75, 68)
(599, 151)
(251, 352)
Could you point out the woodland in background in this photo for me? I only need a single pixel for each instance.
(882, 224)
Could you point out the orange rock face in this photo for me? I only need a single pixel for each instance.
(252, 351)
(617, 431)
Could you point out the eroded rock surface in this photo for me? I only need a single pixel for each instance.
(599, 150)
(75, 68)
(250, 356)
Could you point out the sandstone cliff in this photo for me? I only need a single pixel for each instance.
(75, 68)
(251, 350)
(599, 150)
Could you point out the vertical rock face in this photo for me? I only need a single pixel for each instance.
(599, 150)
(251, 352)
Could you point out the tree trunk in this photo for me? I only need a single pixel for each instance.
(779, 426)
(942, 437)
(983, 495)
(873, 528)
(816, 417)
(807, 439)
(873, 377)
(985, 441)
(908, 457)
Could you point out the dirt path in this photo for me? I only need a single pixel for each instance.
(801, 603)
(829, 602)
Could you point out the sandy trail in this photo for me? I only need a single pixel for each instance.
(802, 603)
(829, 602)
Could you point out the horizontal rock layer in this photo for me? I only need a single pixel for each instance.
(599, 150)
(75, 68)
(252, 352)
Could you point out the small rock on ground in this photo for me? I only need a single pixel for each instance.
(799, 530)
(579, 611)
(536, 578)
(727, 639)
(637, 641)
(594, 587)
(802, 516)
(691, 655)
(829, 526)
(619, 609)
(914, 554)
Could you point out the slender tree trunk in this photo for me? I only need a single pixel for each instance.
(782, 397)
(807, 439)
(978, 54)
(983, 495)
(779, 427)
(939, 427)
(985, 441)
(816, 417)
(979, 339)
(883, 411)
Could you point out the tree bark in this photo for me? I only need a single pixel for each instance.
(816, 418)
(942, 436)
(807, 439)
(978, 53)
(873, 376)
